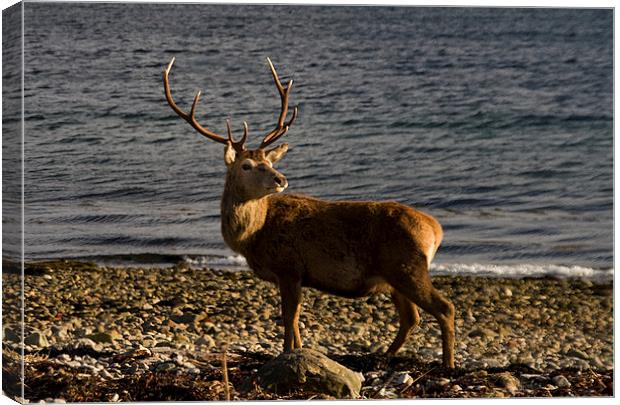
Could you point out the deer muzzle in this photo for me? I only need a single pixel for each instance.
(280, 182)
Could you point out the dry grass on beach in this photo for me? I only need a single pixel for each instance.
(145, 334)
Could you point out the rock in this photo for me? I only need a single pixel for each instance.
(188, 317)
(205, 340)
(436, 384)
(10, 335)
(507, 292)
(378, 347)
(169, 365)
(37, 339)
(387, 393)
(309, 370)
(60, 332)
(578, 353)
(492, 363)
(403, 379)
(104, 337)
(85, 343)
(482, 332)
(560, 381)
(507, 381)
(164, 343)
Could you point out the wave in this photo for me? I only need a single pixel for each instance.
(522, 271)
(235, 261)
(451, 269)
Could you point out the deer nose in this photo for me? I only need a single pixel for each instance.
(280, 181)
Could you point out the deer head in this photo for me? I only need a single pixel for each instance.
(249, 172)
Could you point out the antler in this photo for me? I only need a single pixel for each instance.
(281, 128)
(191, 117)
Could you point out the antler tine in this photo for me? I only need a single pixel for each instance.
(277, 133)
(190, 118)
(280, 128)
(240, 145)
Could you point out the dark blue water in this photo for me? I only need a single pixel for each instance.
(496, 121)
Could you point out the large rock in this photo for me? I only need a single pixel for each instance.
(310, 371)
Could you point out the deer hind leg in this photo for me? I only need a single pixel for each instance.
(413, 281)
(290, 294)
(408, 319)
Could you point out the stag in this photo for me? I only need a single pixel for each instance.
(351, 249)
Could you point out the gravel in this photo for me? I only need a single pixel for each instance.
(120, 324)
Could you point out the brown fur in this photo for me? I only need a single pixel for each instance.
(350, 249)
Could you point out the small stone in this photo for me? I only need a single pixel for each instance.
(561, 381)
(403, 379)
(508, 381)
(85, 343)
(577, 353)
(436, 385)
(377, 347)
(507, 292)
(210, 327)
(188, 317)
(36, 339)
(492, 363)
(238, 348)
(179, 338)
(165, 366)
(10, 335)
(205, 340)
(482, 332)
(59, 332)
(443, 381)
(104, 337)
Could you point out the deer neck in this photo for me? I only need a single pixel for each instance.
(241, 218)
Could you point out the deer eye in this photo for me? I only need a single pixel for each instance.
(246, 166)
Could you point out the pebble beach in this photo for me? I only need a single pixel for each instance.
(163, 333)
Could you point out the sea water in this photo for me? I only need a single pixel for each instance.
(498, 122)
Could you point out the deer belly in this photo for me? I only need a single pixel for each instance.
(263, 272)
(342, 276)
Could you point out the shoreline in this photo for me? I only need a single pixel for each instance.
(81, 319)
(235, 262)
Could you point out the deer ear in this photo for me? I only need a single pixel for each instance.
(277, 153)
(229, 154)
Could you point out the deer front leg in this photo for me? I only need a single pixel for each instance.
(290, 294)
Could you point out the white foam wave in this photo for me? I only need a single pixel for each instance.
(238, 262)
(522, 270)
